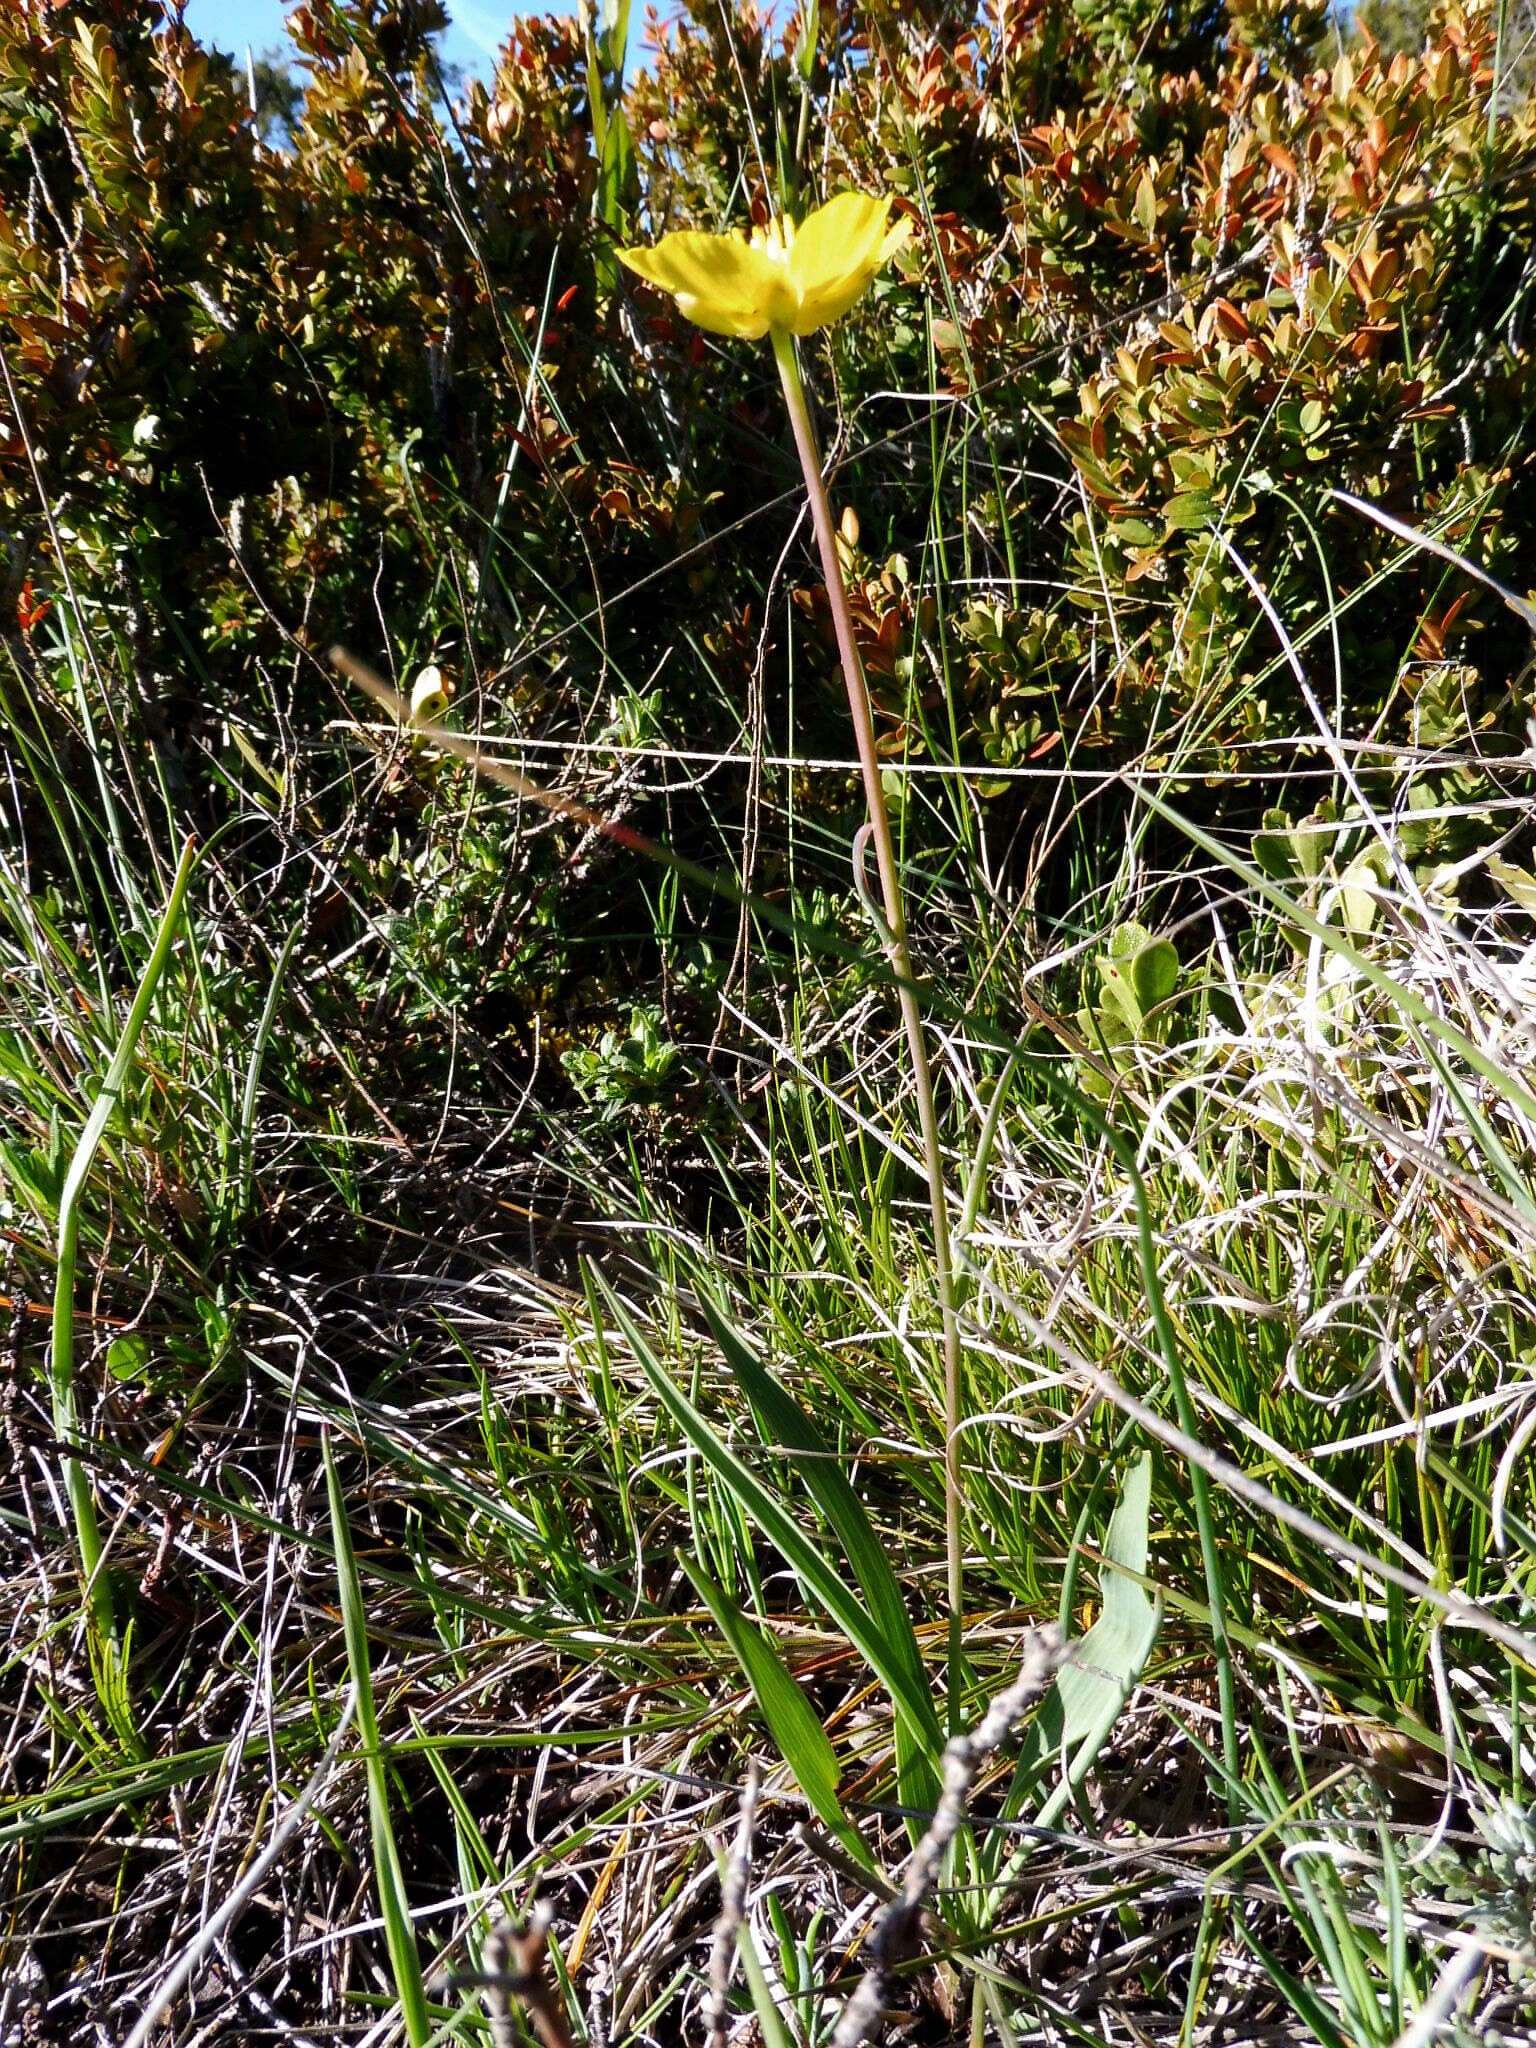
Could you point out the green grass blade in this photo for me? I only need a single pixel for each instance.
(786, 1427)
(1302, 1999)
(253, 1070)
(65, 1417)
(770, 2021)
(802, 1741)
(788, 1538)
(399, 1935)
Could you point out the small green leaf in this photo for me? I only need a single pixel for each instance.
(1357, 901)
(1273, 848)
(1127, 940)
(1136, 533)
(1146, 202)
(1154, 974)
(128, 1358)
(1516, 882)
(1189, 511)
(1313, 846)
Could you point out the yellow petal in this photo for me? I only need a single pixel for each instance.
(838, 239)
(795, 280)
(836, 253)
(718, 281)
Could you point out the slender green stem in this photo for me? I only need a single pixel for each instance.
(894, 938)
(66, 1423)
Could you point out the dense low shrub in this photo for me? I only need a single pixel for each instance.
(373, 375)
(1200, 278)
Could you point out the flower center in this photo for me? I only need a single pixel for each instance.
(775, 240)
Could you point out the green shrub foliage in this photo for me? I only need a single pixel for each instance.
(370, 372)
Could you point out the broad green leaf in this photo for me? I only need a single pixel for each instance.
(596, 104)
(1093, 1686)
(783, 1532)
(1314, 846)
(802, 1741)
(1113, 1654)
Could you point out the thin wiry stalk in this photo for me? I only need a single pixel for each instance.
(733, 1903)
(515, 1967)
(894, 937)
(214, 1928)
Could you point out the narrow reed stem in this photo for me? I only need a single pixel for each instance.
(894, 938)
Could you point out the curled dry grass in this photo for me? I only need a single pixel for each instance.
(559, 1716)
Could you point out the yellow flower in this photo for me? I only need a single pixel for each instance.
(784, 277)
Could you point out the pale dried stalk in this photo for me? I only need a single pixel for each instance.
(733, 1907)
(514, 1968)
(963, 1757)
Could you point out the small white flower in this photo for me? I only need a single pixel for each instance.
(429, 697)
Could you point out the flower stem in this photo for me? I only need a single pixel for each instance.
(894, 938)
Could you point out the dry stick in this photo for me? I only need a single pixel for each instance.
(963, 1757)
(373, 685)
(733, 1907)
(444, 740)
(172, 1985)
(514, 1967)
(893, 933)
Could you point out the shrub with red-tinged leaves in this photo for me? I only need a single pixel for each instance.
(1178, 270)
